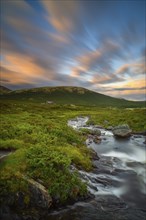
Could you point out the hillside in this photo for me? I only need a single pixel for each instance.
(70, 95)
(4, 90)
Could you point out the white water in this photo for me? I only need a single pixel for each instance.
(126, 155)
(78, 122)
(138, 155)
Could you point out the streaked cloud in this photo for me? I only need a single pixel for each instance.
(133, 88)
(79, 43)
(62, 14)
(133, 68)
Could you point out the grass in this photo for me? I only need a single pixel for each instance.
(46, 147)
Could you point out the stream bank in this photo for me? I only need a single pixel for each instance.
(117, 181)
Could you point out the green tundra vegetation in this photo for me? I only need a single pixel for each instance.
(45, 147)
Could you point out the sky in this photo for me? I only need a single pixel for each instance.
(98, 45)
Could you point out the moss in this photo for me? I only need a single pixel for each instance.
(27, 199)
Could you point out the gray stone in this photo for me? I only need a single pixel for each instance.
(39, 194)
(96, 132)
(122, 131)
(97, 140)
(110, 128)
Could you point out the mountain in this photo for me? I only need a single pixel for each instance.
(4, 90)
(70, 95)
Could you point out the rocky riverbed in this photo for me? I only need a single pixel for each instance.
(118, 180)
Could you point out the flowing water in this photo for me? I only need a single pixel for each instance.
(118, 180)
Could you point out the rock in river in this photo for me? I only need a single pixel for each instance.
(122, 131)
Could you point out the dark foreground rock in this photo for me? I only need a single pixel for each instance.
(39, 195)
(35, 204)
(26, 205)
(101, 208)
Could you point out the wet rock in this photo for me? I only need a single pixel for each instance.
(90, 142)
(122, 131)
(97, 140)
(139, 133)
(94, 187)
(56, 200)
(105, 165)
(137, 136)
(95, 156)
(98, 126)
(90, 136)
(97, 132)
(110, 128)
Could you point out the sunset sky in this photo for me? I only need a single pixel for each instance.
(98, 45)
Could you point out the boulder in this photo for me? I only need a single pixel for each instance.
(27, 204)
(96, 132)
(97, 140)
(39, 195)
(122, 131)
(109, 128)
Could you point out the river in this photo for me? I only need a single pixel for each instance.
(118, 180)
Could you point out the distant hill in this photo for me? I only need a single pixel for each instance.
(70, 95)
(4, 90)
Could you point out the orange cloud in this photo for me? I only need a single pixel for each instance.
(21, 69)
(23, 64)
(135, 83)
(97, 79)
(59, 38)
(123, 68)
(138, 67)
(61, 14)
(89, 58)
(11, 77)
(136, 86)
(84, 62)
(99, 58)
(127, 94)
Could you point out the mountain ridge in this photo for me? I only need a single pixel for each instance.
(4, 89)
(70, 95)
